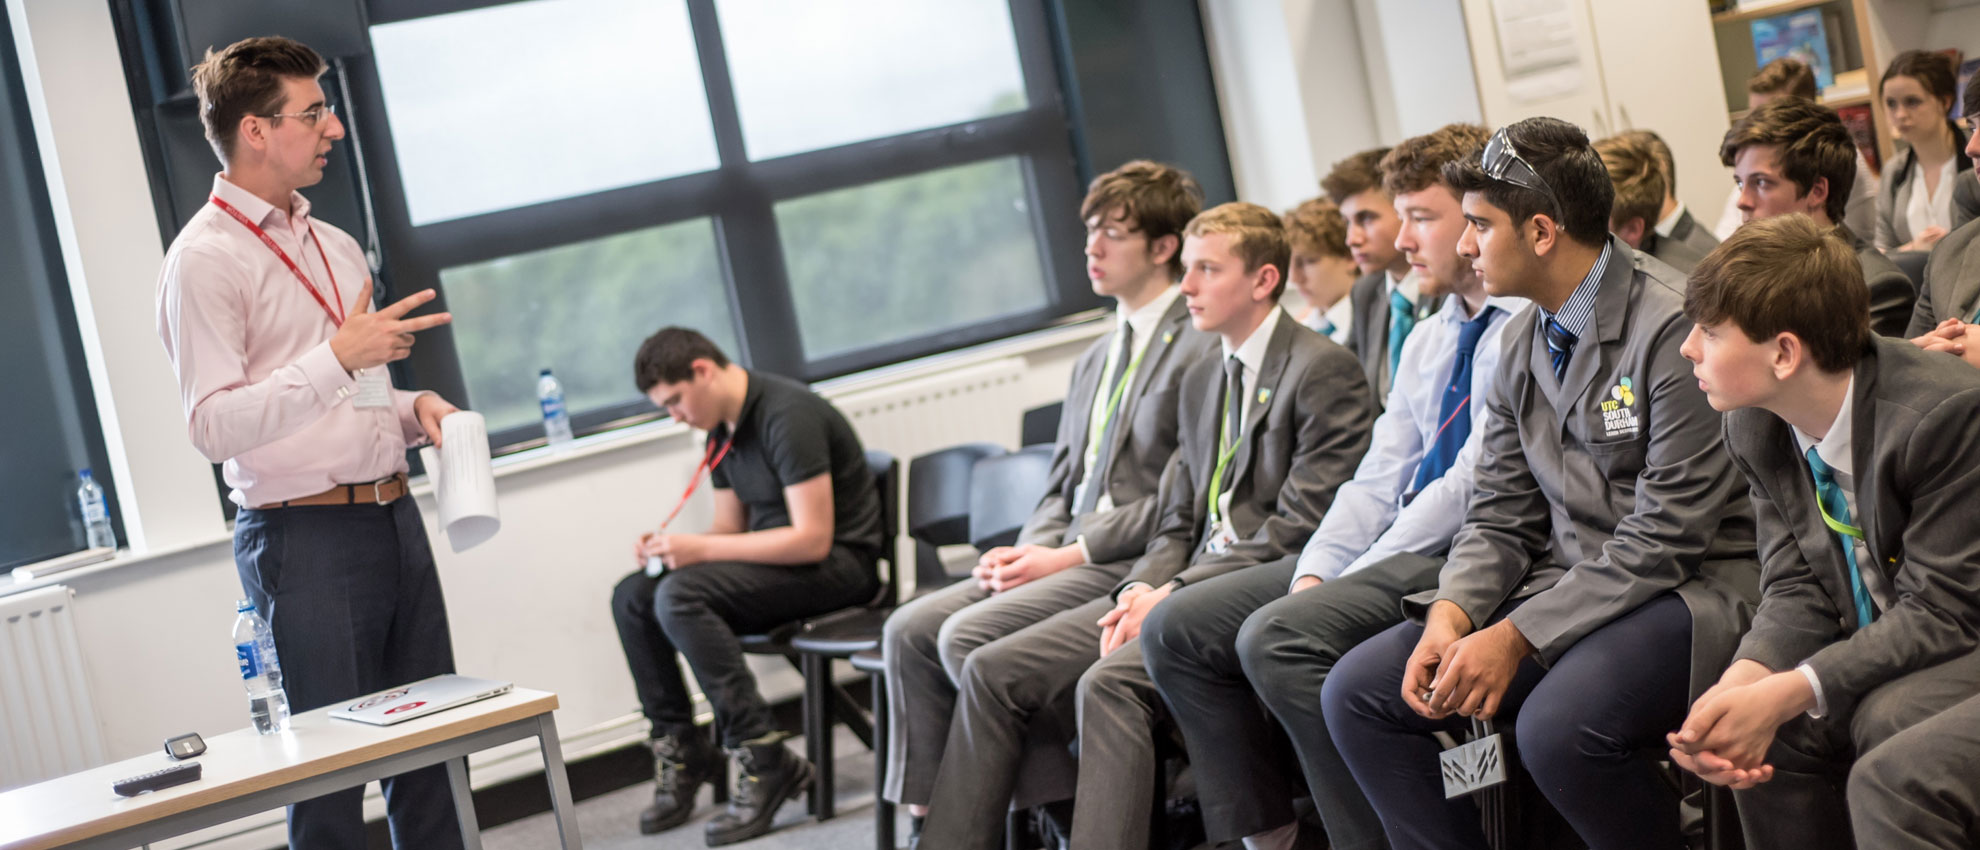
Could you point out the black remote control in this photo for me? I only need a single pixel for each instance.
(178, 774)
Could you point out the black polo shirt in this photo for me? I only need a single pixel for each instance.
(786, 434)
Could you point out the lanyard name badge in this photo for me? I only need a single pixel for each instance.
(655, 567)
(1220, 535)
(374, 385)
(1097, 427)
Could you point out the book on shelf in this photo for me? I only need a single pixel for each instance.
(1799, 35)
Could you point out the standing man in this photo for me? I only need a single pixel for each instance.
(1385, 299)
(796, 533)
(266, 316)
(1601, 568)
(1118, 431)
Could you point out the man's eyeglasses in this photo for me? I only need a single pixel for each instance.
(1502, 162)
(309, 115)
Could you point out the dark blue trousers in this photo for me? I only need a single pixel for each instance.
(1582, 727)
(352, 596)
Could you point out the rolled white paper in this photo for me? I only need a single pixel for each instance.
(463, 477)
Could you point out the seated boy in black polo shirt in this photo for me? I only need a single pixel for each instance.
(796, 532)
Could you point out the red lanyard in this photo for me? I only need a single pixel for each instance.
(708, 466)
(337, 317)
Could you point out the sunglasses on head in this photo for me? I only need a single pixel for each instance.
(1502, 162)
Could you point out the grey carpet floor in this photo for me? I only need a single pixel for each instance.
(611, 822)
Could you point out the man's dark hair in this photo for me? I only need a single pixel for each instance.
(1562, 156)
(1786, 274)
(246, 79)
(1156, 198)
(667, 357)
(1813, 145)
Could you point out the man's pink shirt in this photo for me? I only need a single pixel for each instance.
(263, 393)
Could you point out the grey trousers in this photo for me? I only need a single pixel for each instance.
(1286, 650)
(1008, 687)
(926, 642)
(1921, 789)
(1815, 791)
(1118, 710)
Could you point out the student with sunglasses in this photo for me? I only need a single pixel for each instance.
(1603, 571)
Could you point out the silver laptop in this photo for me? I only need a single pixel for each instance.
(420, 698)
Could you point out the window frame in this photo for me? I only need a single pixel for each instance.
(739, 196)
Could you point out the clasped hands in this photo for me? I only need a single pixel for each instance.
(1008, 567)
(1455, 670)
(1954, 337)
(1726, 737)
(674, 550)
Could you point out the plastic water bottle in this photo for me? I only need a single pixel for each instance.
(556, 419)
(261, 671)
(95, 513)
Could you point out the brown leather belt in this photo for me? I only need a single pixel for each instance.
(381, 492)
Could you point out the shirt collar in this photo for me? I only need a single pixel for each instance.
(1342, 313)
(1453, 311)
(1670, 222)
(1573, 316)
(252, 206)
(1407, 286)
(1252, 352)
(1144, 319)
(1834, 449)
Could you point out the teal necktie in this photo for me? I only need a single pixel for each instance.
(1835, 513)
(1402, 320)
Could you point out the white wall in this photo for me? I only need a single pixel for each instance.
(1264, 122)
(1420, 60)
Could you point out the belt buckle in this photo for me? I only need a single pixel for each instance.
(378, 491)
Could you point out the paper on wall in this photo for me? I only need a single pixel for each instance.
(463, 479)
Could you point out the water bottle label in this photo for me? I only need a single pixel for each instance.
(93, 511)
(249, 660)
(552, 407)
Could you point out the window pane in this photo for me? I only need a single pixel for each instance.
(581, 310)
(529, 102)
(812, 74)
(910, 256)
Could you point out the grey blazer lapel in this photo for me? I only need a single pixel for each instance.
(1883, 534)
(1964, 290)
(1166, 332)
(1794, 489)
(1277, 352)
(1080, 409)
(1605, 327)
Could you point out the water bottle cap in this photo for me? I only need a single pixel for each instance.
(244, 606)
(546, 371)
(85, 473)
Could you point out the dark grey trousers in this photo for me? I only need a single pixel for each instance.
(1815, 792)
(925, 643)
(1921, 788)
(1241, 640)
(352, 596)
(1009, 689)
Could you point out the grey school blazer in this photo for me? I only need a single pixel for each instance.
(1687, 230)
(1915, 442)
(1305, 432)
(1596, 496)
(1674, 252)
(1368, 338)
(1892, 294)
(1952, 281)
(1148, 408)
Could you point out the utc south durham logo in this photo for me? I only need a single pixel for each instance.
(1618, 416)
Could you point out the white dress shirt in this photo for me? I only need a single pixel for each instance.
(1930, 208)
(1367, 521)
(1143, 322)
(1340, 316)
(1250, 353)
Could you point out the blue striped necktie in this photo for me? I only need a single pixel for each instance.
(1560, 346)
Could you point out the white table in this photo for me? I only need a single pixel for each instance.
(244, 773)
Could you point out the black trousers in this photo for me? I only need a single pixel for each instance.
(1583, 727)
(698, 611)
(351, 594)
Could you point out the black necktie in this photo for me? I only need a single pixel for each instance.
(1103, 454)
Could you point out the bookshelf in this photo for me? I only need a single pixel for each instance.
(1858, 48)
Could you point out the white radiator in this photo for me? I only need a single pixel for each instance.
(981, 403)
(48, 721)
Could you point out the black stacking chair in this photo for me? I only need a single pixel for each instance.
(1003, 491)
(824, 701)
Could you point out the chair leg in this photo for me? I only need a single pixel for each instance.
(846, 710)
(818, 729)
(883, 811)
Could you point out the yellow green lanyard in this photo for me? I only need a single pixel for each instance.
(1836, 525)
(1226, 449)
(1098, 426)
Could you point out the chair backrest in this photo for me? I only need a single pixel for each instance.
(938, 506)
(1003, 491)
(887, 479)
(1041, 424)
(1912, 263)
